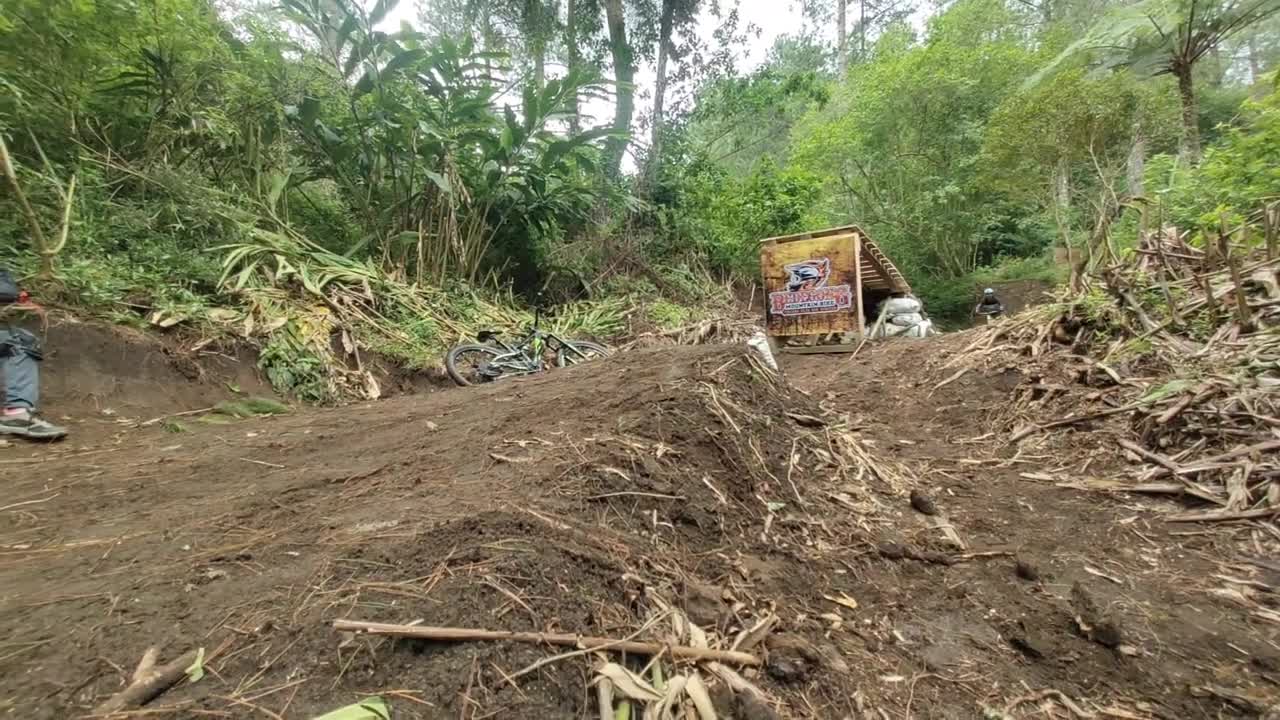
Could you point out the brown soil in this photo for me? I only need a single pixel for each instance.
(98, 379)
(552, 503)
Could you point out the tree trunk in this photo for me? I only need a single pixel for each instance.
(1137, 162)
(488, 42)
(660, 86)
(1190, 145)
(574, 59)
(536, 41)
(624, 73)
(1060, 199)
(842, 37)
(862, 29)
(1255, 71)
(1137, 165)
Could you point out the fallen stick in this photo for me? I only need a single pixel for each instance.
(1213, 463)
(148, 683)
(1146, 454)
(453, 634)
(1032, 429)
(949, 380)
(1045, 695)
(1220, 516)
(1183, 488)
(1187, 401)
(185, 413)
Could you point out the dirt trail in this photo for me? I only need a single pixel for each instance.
(1183, 637)
(556, 503)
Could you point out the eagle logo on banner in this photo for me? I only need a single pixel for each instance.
(808, 275)
(806, 291)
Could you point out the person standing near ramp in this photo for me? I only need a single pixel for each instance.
(20, 358)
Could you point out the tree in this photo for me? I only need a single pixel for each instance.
(842, 36)
(898, 143)
(1074, 148)
(1170, 37)
(676, 14)
(775, 96)
(873, 17)
(624, 74)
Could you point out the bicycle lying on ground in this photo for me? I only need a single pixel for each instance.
(493, 359)
(990, 316)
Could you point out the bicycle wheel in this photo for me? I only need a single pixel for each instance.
(466, 363)
(582, 351)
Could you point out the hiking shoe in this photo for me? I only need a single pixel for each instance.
(28, 425)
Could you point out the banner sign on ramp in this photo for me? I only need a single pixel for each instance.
(811, 285)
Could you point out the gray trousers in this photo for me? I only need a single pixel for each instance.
(20, 366)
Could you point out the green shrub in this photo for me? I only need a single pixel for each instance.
(1237, 173)
(668, 315)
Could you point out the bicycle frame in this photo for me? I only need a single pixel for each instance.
(526, 357)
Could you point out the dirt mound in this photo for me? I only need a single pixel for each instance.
(98, 379)
(569, 502)
(867, 514)
(94, 375)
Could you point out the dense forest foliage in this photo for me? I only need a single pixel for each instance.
(321, 173)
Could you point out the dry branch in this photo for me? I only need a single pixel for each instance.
(148, 683)
(453, 634)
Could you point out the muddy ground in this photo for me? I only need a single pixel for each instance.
(556, 503)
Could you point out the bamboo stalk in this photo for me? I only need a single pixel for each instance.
(454, 634)
(1270, 219)
(6, 166)
(1243, 315)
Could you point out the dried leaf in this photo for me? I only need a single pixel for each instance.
(604, 697)
(371, 708)
(508, 459)
(754, 635)
(675, 690)
(697, 637)
(679, 626)
(372, 390)
(628, 683)
(701, 698)
(273, 325)
(844, 600)
(196, 671)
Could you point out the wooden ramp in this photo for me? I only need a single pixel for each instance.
(819, 283)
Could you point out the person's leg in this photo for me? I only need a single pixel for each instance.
(21, 373)
(20, 357)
